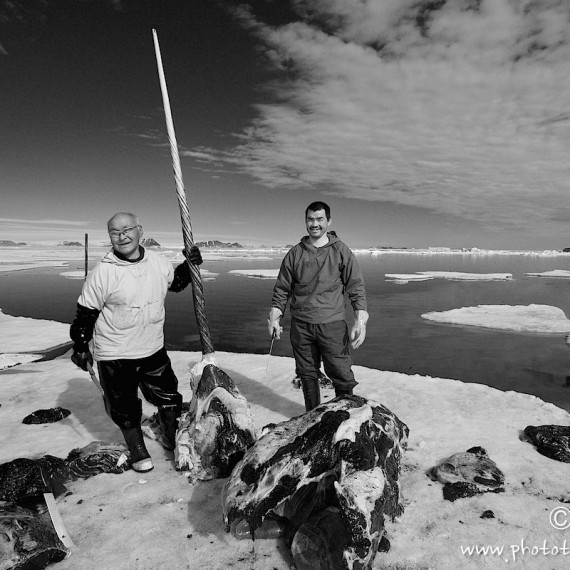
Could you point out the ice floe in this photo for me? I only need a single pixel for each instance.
(543, 319)
(23, 334)
(555, 273)
(450, 275)
(406, 277)
(23, 266)
(73, 274)
(256, 273)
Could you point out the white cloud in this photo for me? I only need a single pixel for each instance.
(20, 222)
(30, 230)
(461, 109)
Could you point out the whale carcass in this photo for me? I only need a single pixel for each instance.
(328, 477)
(215, 432)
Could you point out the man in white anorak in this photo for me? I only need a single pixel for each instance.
(315, 275)
(120, 324)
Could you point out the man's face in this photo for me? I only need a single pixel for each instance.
(317, 223)
(125, 235)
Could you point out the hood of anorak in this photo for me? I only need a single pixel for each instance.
(111, 257)
(307, 245)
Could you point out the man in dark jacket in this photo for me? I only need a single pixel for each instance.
(315, 275)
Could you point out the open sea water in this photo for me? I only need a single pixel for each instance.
(398, 339)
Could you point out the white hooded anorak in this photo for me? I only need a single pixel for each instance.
(130, 297)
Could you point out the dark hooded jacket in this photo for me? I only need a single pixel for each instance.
(315, 281)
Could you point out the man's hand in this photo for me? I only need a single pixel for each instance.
(182, 273)
(81, 359)
(358, 331)
(193, 256)
(273, 322)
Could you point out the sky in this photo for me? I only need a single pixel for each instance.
(420, 122)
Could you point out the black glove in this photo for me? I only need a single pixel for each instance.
(181, 278)
(193, 256)
(182, 274)
(81, 359)
(81, 332)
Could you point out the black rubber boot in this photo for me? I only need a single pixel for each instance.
(140, 458)
(311, 392)
(346, 392)
(168, 419)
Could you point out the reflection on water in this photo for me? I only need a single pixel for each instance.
(398, 338)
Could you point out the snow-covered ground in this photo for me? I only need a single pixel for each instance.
(160, 521)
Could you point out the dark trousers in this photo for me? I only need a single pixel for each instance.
(329, 343)
(121, 379)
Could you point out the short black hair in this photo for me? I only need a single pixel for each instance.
(315, 206)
